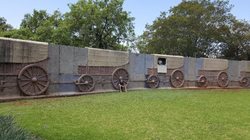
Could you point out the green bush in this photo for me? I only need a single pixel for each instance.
(9, 130)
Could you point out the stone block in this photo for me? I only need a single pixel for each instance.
(137, 67)
(189, 68)
(233, 70)
(54, 59)
(66, 59)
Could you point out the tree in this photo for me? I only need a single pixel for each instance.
(4, 26)
(99, 24)
(235, 41)
(41, 26)
(192, 28)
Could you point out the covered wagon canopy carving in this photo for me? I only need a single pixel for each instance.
(214, 64)
(172, 61)
(101, 57)
(22, 51)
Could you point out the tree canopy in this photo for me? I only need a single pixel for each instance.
(89, 23)
(99, 23)
(4, 26)
(198, 28)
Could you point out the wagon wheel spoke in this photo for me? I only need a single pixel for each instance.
(42, 76)
(28, 88)
(25, 84)
(39, 83)
(39, 88)
(29, 73)
(118, 75)
(25, 79)
(37, 78)
(34, 88)
(24, 75)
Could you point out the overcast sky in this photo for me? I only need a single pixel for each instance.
(144, 11)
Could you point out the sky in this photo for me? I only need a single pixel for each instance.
(144, 11)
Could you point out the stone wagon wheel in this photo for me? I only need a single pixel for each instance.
(118, 75)
(222, 79)
(244, 82)
(177, 79)
(85, 83)
(33, 80)
(202, 81)
(153, 81)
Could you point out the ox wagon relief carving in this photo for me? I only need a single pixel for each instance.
(38, 68)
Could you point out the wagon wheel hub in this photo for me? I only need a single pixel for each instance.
(86, 82)
(177, 78)
(34, 79)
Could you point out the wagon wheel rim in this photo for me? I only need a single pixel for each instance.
(177, 79)
(244, 82)
(119, 74)
(222, 79)
(202, 81)
(33, 80)
(85, 83)
(153, 81)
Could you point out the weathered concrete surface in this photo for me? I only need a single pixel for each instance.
(233, 70)
(244, 66)
(137, 67)
(100, 57)
(66, 59)
(22, 51)
(54, 62)
(199, 65)
(214, 64)
(190, 69)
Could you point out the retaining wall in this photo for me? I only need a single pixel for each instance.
(65, 64)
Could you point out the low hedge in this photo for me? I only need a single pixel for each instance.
(10, 131)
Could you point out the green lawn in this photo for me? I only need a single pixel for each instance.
(138, 115)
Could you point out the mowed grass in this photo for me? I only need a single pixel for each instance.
(137, 115)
